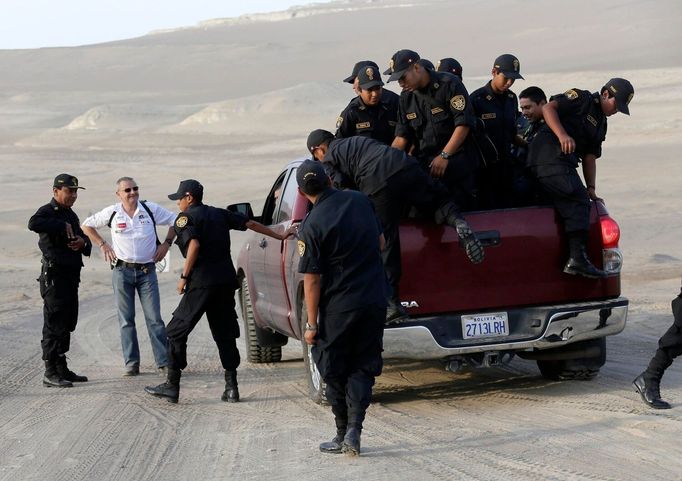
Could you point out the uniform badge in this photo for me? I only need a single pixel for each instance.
(571, 94)
(457, 102)
(516, 65)
(339, 121)
(391, 65)
(436, 110)
(363, 125)
(591, 120)
(488, 97)
(492, 115)
(370, 73)
(411, 116)
(436, 85)
(301, 247)
(627, 102)
(438, 66)
(181, 221)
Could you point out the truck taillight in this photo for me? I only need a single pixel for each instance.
(610, 232)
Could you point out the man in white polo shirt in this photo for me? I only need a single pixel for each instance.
(134, 249)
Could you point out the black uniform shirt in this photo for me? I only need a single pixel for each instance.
(428, 117)
(499, 115)
(50, 222)
(340, 240)
(362, 163)
(376, 122)
(581, 115)
(531, 129)
(211, 227)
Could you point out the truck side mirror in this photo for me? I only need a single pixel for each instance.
(243, 208)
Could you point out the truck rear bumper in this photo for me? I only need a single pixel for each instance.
(558, 325)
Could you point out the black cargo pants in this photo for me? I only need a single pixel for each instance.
(59, 290)
(669, 345)
(217, 302)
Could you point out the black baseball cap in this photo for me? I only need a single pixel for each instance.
(189, 186)
(623, 91)
(450, 65)
(317, 138)
(369, 77)
(400, 62)
(356, 69)
(426, 63)
(509, 65)
(66, 180)
(311, 177)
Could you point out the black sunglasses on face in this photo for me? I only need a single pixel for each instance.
(128, 190)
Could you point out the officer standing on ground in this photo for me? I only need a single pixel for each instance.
(497, 107)
(135, 247)
(574, 131)
(393, 180)
(339, 244)
(207, 284)
(648, 384)
(63, 245)
(373, 113)
(436, 117)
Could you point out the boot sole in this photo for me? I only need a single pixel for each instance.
(48, 384)
(161, 396)
(573, 272)
(349, 450)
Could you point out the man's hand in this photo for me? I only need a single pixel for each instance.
(108, 253)
(567, 144)
(310, 337)
(438, 166)
(292, 231)
(77, 242)
(182, 283)
(161, 251)
(593, 195)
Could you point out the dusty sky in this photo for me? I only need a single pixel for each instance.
(51, 23)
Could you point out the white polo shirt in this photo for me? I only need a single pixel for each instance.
(133, 239)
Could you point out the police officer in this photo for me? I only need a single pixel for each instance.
(531, 101)
(373, 113)
(353, 77)
(574, 131)
(450, 65)
(207, 284)
(63, 245)
(497, 107)
(435, 116)
(344, 285)
(648, 384)
(393, 180)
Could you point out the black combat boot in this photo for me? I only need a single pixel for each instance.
(578, 262)
(449, 214)
(341, 419)
(351, 441)
(65, 373)
(650, 391)
(170, 390)
(52, 377)
(231, 393)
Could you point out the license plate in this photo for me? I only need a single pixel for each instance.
(493, 324)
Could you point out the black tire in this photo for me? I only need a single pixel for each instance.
(255, 353)
(582, 369)
(316, 385)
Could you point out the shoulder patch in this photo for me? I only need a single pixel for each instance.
(458, 102)
(411, 116)
(301, 247)
(363, 125)
(181, 221)
(571, 94)
(339, 121)
(491, 115)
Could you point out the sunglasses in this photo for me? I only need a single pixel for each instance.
(128, 190)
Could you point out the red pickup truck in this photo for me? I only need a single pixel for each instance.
(517, 302)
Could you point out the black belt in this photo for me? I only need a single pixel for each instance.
(131, 265)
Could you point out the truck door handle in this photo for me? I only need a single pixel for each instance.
(263, 243)
(489, 238)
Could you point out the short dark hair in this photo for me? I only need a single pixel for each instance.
(534, 94)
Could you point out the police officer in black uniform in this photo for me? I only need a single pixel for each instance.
(373, 113)
(574, 131)
(353, 77)
(648, 384)
(531, 101)
(63, 245)
(498, 109)
(207, 285)
(450, 65)
(435, 117)
(393, 180)
(344, 281)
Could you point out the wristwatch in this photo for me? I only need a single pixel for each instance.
(308, 327)
(445, 155)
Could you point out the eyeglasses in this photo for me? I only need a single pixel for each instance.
(128, 190)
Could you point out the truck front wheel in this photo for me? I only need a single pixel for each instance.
(579, 368)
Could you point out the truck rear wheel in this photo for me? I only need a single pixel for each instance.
(255, 353)
(316, 385)
(584, 368)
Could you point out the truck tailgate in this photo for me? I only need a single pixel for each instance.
(525, 254)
